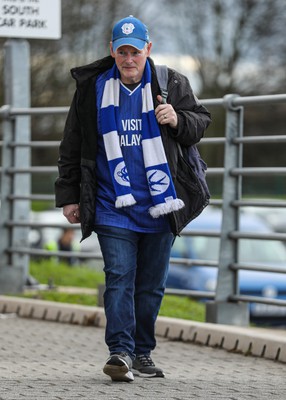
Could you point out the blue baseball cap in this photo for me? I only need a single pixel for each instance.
(129, 31)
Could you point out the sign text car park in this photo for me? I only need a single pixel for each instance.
(38, 19)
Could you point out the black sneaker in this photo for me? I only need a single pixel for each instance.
(118, 367)
(144, 366)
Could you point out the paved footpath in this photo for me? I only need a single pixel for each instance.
(58, 361)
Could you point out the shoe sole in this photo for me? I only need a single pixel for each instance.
(118, 373)
(145, 375)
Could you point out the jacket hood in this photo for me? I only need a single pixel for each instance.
(85, 72)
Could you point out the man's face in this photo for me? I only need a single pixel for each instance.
(131, 62)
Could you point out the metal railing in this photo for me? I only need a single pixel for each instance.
(14, 247)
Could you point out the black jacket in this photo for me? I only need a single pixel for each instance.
(77, 161)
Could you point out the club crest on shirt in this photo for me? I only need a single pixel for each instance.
(127, 28)
(158, 181)
(121, 174)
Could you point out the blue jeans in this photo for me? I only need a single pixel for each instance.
(136, 268)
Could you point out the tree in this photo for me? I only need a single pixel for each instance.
(235, 43)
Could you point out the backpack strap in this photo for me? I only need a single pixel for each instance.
(162, 76)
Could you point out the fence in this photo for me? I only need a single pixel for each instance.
(228, 306)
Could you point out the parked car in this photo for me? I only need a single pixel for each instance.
(257, 283)
(274, 216)
(42, 237)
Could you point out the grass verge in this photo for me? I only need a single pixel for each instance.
(60, 274)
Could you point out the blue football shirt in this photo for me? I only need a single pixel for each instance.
(129, 124)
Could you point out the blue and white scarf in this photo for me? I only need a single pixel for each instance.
(161, 187)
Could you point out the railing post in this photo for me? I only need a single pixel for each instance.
(222, 310)
(14, 268)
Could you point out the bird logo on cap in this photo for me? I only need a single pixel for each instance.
(127, 28)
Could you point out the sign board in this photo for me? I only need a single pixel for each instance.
(30, 19)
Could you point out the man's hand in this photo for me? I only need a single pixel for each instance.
(72, 213)
(165, 114)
